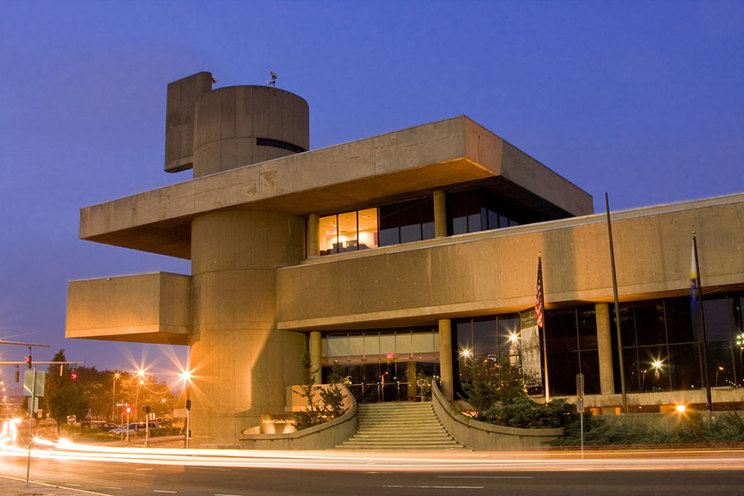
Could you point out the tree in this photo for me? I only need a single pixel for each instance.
(488, 383)
(322, 404)
(63, 397)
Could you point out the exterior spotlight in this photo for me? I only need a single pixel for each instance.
(185, 375)
(681, 408)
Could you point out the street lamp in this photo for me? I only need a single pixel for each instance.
(141, 375)
(657, 367)
(113, 397)
(186, 376)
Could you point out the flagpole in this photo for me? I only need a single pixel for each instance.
(617, 310)
(701, 323)
(541, 323)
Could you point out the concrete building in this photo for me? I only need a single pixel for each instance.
(401, 256)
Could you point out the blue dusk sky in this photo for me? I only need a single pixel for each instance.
(644, 100)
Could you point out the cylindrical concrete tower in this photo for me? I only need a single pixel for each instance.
(242, 125)
(241, 362)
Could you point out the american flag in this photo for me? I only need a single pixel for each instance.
(539, 307)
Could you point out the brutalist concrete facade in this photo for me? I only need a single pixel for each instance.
(259, 287)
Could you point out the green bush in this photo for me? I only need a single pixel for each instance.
(527, 414)
(692, 428)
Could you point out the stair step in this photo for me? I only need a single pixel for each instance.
(399, 426)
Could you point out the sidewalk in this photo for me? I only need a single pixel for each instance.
(17, 487)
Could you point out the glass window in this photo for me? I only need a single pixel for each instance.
(347, 231)
(328, 235)
(649, 322)
(587, 330)
(684, 366)
(679, 325)
(389, 232)
(718, 313)
(367, 228)
(485, 337)
(721, 364)
(409, 216)
(561, 326)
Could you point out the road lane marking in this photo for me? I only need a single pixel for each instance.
(113, 487)
(164, 491)
(397, 486)
(223, 494)
(143, 469)
(485, 477)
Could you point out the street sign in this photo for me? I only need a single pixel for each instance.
(35, 407)
(71, 419)
(28, 383)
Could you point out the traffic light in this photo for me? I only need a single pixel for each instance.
(128, 409)
(188, 404)
(74, 377)
(18, 374)
(28, 361)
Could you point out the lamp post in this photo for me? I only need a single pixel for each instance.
(113, 397)
(186, 376)
(140, 381)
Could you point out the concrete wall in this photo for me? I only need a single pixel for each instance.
(495, 271)
(179, 119)
(147, 308)
(482, 436)
(689, 397)
(241, 363)
(228, 121)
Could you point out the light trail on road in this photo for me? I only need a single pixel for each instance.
(380, 461)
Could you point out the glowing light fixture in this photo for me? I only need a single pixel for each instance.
(681, 408)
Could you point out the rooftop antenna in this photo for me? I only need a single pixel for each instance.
(272, 82)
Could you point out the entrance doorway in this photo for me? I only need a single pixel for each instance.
(393, 365)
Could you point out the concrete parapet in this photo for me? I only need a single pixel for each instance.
(323, 436)
(482, 436)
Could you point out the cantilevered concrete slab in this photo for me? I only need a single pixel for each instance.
(142, 308)
(348, 176)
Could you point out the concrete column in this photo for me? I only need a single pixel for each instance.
(604, 348)
(445, 359)
(316, 356)
(440, 214)
(311, 231)
(242, 363)
(411, 376)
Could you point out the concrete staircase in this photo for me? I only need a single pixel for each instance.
(399, 426)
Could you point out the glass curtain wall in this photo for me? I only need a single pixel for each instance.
(572, 349)
(661, 349)
(472, 211)
(389, 365)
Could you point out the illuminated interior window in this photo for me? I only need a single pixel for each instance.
(348, 231)
(368, 228)
(328, 233)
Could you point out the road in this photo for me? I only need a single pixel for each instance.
(359, 474)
